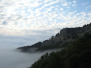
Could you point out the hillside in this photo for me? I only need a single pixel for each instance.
(60, 40)
(76, 55)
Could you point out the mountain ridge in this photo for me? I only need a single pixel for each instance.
(60, 40)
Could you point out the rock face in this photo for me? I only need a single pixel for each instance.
(65, 36)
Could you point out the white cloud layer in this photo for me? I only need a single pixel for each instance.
(33, 17)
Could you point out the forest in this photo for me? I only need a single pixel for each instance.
(77, 54)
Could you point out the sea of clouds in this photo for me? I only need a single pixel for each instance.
(11, 58)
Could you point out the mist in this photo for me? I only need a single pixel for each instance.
(11, 58)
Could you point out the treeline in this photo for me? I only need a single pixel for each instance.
(76, 55)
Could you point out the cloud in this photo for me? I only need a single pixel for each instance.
(74, 1)
(46, 1)
(61, 8)
(64, 4)
(48, 4)
(10, 58)
(74, 5)
(20, 18)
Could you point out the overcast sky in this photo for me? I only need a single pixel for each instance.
(24, 22)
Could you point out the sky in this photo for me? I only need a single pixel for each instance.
(25, 22)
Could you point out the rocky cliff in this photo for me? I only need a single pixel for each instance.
(60, 40)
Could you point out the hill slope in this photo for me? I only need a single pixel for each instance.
(60, 40)
(76, 55)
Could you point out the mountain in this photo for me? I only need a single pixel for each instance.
(76, 55)
(60, 40)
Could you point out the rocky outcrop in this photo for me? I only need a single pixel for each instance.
(59, 40)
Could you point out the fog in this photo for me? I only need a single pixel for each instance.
(11, 58)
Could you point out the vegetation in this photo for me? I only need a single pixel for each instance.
(76, 55)
(27, 48)
(60, 40)
(75, 36)
(53, 45)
